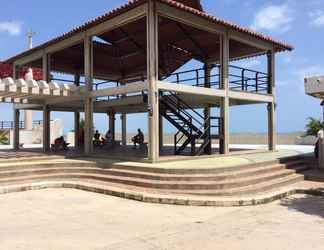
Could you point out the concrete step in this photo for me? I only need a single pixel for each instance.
(96, 174)
(247, 190)
(205, 170)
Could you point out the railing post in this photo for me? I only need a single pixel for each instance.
(243, 77)
(197, 77)
(257, 82)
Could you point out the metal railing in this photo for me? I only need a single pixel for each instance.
(11, 124)
(240, 79)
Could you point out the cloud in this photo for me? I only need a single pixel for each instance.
(317, 18)
(277, 18)
(11, 27)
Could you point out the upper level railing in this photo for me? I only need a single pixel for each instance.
(240, 79)
(10, 124)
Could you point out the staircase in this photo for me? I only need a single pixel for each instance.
(249, 179)
(193, 128)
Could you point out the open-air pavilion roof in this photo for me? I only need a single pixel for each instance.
(120, 53)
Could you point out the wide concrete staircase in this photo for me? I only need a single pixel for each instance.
(230, 181)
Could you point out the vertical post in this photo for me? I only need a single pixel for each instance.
(16, 115)
(207, 113)
(46, 111)
(224, 107)
(46, 128)
(123, 118)
(161, 141)
(152, 77)
(88, 103)
(16, 129)
(77, 117)
(112, 127)
(272, 137)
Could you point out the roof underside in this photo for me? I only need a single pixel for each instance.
(121, 53)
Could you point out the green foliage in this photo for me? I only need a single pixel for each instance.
(82, 124)
(313, 126)
(3, 140)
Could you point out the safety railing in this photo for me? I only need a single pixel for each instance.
(240, 79)
(11, 124)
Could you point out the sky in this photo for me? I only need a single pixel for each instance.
(299, 23)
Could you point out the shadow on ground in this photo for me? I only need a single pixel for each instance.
(308, 204)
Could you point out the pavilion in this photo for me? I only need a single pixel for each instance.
(127, 61)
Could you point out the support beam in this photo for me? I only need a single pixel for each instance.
(224, 107)
(123, 118)
(272, 136)
(16, 129)
(46, 129)
(152, 76)
(16, 115)
(112, 125)
(46, 111)
(161, 135)
(88, 104)
(207, 113)
(77, 118)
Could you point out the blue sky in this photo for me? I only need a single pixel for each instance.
(300, 23)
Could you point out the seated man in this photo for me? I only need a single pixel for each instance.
(60, 144)
(138, 139)
(109, 137)
(97, 139)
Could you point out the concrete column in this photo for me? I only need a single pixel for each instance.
(77, 130)
(16, 115)
(88, 102)
(112, 125)
(46, 129)
(161, 135)
(123, 118)
(16, 129)
(207, 112)
(152, 76)
(320, 137)
(224, 82)
(272, 135)
(77, 118)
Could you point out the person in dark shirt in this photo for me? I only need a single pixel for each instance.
(138, 139)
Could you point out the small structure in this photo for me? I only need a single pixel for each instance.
(128, 60)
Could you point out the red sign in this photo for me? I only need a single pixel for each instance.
(6, 70)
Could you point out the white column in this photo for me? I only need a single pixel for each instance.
(272, 135)
(16, 129)
(224, 82)
(28, 119)
(88, 102)
(152, 76)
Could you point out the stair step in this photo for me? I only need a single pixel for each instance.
(251, 189)
(188, 185)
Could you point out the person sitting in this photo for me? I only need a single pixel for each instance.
(109, 137)
(97, 139)
(138, 139)
(60, 144)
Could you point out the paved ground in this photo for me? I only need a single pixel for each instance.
(70, 219)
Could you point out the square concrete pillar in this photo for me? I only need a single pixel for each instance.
(16, 129)
(224, 84)
(46, 129)
(152, 76)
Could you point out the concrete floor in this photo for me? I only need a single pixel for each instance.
(71, 219)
